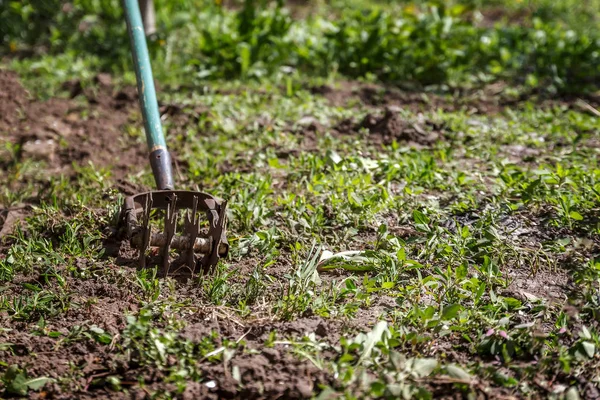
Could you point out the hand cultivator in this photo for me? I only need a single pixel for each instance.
(201, 243)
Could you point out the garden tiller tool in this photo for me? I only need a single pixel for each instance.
(201, 241)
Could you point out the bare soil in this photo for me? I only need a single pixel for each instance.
(63, 131)
(488, 100)
(391, 127)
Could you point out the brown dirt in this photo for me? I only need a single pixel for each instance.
(10, 218)
(374, 95)
(93, 303)
(63, 131)
(488, 100)
(298, 9)
(263, 372)
(493, 15)
(383, 127)
(272, 373)
(12, 98)
(391, 126)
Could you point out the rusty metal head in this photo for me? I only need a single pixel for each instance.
(198, 246)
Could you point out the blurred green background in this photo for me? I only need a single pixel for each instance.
(542, 45)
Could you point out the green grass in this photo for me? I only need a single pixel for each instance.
(467, 266)
(450, 279)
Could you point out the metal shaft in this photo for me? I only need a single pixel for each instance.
(159, 155)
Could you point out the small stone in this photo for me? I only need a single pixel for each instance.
(305, 389)
(271, 354)
(57, 126)
(307, 121)
(321, 330)
(103, 79)
(41, 150)
(211, 384)
(13, 218)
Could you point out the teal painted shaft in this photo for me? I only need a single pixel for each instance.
(143, 72)
(160, 160)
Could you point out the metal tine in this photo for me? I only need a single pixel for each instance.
(219, 221)
(147, 230)
(170, 226)
(192, 229)
(186, 223)
(138, 213)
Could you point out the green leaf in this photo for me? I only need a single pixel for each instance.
(451, 311)
(105, 338)
(457, 372)
(421, 220)
(11, 373)
(423, 367)
(16, 381)
(572, 394)
(589, 349)
(17, 385)
(334, 157)
(161, 348)
(96, 329)
(245, 57)
(429, 312)
(511, 302)
(5, 346)
(532, 80)
(355, 199)
(327, 394)
(33, 288)
(38, 383)
(575, 215)
(585, 333)
(461, 271)
(373, 337)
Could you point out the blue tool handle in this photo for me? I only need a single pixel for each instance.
(160, 159)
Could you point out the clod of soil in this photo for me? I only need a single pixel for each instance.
(9, 218)
(391, 126)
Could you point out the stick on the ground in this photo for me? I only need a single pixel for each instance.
(588, 107)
